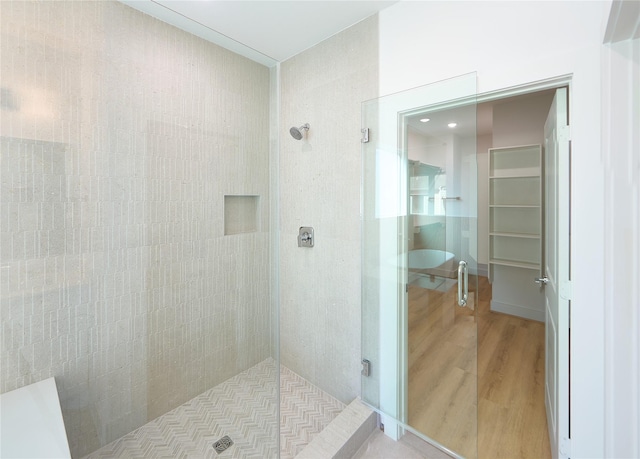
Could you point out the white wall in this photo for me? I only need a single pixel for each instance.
(511, 44)
(521, 121)
(426, 149)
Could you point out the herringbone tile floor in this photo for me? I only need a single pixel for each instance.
(243, 408)
(305, 411)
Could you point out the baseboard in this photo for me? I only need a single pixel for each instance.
(519, 311)
(482, 270)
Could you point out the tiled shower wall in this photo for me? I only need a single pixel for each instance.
(324, 86)
(120, 136)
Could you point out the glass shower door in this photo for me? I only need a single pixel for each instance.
(419, 265)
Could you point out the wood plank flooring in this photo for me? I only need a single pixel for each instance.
(442, 369)
(506, 406)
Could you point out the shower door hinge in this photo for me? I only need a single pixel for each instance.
(365, 135)
(366, 367)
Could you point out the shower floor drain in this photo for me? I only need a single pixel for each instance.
(222, 444)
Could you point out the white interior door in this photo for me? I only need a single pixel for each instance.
(557, 285)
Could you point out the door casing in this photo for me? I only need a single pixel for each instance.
(396, 426)
(403, 353)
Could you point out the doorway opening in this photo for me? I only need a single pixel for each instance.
(509, 305)
(433, 276)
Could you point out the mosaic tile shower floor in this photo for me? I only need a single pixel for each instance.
(242, 408)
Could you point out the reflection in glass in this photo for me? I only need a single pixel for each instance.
(419, 221)
(442, 391)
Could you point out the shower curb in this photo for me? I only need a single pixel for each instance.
(344, 435)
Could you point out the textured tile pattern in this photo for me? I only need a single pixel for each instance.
(305, 411)
(120, 136)
(344, 435)
(320, 297)
(243, 408)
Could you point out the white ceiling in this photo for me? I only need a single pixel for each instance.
(265, 31)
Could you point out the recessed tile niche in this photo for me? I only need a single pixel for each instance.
(241, 214)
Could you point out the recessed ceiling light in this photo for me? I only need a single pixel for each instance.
(452, 125)
(424, 120)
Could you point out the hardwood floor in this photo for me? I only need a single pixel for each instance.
(506, 406)
(442, 369)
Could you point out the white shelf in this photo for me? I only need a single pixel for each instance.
(518, 235)
(515, 219)
(516, 175)
(515, 207)
(520, 191)
(515, 264)
(515, 161)
(518, 249)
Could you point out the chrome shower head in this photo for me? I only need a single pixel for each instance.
(298, 132)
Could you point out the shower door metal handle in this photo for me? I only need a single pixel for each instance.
(463, 283)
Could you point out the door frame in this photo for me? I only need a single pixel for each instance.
(557, 277)
(403, 344)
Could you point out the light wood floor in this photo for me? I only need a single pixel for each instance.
(444, 399)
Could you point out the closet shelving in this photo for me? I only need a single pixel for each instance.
(515, 207)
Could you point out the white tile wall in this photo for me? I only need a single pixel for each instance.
(120, 135)
(320, 187)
